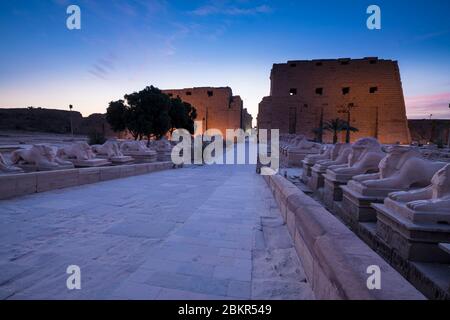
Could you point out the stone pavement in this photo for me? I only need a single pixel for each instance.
(202, 232)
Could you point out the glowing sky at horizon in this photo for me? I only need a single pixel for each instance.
(124, 46)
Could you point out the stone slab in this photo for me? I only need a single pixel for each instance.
(415, 242)
(335, 259)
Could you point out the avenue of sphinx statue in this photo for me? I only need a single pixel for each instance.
(139, 151)
(81, 155)
(301, 144)
(414, 223)
(110, 150)
(428, 205)
(339, 156)
(40, 157)
(365, 157)
(289, 139)
(5, 167)
(403, 168)
(297, 148)
(326, 153)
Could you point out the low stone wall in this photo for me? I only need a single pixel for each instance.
(335, 260)
(14, 185)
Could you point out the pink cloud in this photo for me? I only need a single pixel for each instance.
(424, 105)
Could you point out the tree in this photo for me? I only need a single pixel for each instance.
(148, 113)
(337, 125)
(144, 114)
(116, 115)
(182, 115)
(348, 128)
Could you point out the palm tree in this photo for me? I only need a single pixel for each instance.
(337, 125)
(349, 128)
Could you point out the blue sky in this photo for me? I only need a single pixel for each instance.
(125, 45)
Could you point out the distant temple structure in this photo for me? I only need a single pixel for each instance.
(305, 94)
(217, 108)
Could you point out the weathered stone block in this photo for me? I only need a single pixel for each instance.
(307, 171)
(9, 183)
(109, 173)
(141, 168)
(304, 255)
(127, 171)
(51, 180)
(335, 260)
(88, 175)
(332, 191)
(316, 181)
(412, 241)
(7, 186)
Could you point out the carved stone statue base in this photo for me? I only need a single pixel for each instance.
(142, 156)
(356, 207)
(164, 156)
(332, 191)
(307, 168)
(339, 176)
(317, 180)
(97, 162)
(357, 199)
(415, 239)
(117, 160)
(29, 167)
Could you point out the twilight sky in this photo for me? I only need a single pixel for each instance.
(124, 46)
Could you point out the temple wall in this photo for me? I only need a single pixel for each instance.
(306, 90)
(216, 107)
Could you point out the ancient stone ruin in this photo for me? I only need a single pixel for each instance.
(217, 108)
(304, 94)
(39, 157)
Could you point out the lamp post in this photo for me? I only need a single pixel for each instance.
(71, 123)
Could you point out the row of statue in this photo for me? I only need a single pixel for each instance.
(420, 184)
(41, 157)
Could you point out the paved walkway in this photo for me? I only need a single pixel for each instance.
(210, 232)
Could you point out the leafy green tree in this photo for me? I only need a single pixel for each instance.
(182, 115)
(116, 115)
(144, 114)
(148, 113)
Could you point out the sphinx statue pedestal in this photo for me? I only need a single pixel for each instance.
(317, 180)
(364, 158)
(139, 152)
(311, 160)
(164, 149)
(142, 156)
(357, 202)
(414, 223)
(306, 172)
(332, 191)
(411, 234)
(296, 151)
(81, 155)
(110, 151)
(90, 163)
(339, 155)
(7, 168)
(402, 169)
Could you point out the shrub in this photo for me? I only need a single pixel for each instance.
(96, 137)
